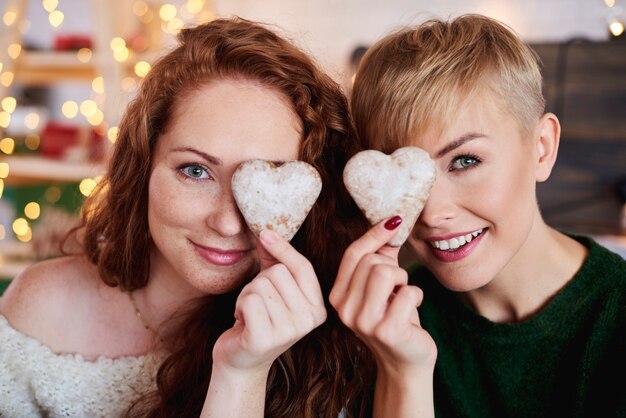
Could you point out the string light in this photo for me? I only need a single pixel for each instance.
(97, 85)
(8, 104)
(31, 120)
(50, 5)
(84, 55)
(9, 17)
(174, 26)
(55, 18)
(27, 236)
(32, 141)
(32, 210)
(69, 109)
(5, 119)
(117, 44)
(167, 12)
(96, 119)
(4, 170)
(7, 145)
(112, 134)
(120, 51)
(194, 6)
(616, 28)
(20, 226)
(14, 50)
(121, 55)
(142, 68)
(6, 78)
(88, 108)
(87, 186)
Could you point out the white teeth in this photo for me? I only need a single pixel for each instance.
(456, 242)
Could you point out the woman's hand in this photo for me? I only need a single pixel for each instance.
(372, 297)
(278, 307)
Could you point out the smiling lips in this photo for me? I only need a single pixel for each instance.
(220, 257)
(457, 247)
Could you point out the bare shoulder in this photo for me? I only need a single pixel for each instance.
(46, 292)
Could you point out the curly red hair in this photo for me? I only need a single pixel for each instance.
(317, 377)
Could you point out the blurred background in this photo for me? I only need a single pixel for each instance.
(69, 67)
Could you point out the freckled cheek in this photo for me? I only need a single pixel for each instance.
(174, 204)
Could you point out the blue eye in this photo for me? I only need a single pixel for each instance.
(463, 162)
(194, 171)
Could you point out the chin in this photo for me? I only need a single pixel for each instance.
(461, 282)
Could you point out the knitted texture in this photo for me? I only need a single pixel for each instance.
(36, 382)
(568, 360)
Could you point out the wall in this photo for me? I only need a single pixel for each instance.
(330, 29)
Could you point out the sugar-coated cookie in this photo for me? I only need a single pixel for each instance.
(275, 197)
(388, 185)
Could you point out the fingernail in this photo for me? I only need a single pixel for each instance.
(268, 236)
(393, 223)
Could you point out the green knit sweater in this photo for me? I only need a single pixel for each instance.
(567, 361)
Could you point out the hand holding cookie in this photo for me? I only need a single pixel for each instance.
(372, 297)
(282, 304)
(284, 301)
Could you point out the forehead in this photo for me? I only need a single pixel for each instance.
(480, 113)
(236, 119)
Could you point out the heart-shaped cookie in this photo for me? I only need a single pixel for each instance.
(275, 197)
(388, 185)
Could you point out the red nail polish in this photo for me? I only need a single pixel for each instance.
(393, 223)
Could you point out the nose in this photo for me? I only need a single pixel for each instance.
(226, 219)
(439, 207)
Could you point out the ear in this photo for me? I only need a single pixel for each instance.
(547, 139)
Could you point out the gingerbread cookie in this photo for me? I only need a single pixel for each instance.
(275, 197)
(389, 185)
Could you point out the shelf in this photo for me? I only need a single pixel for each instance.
(10, 269)
(23, 168)
(46, 67)
(15, 257)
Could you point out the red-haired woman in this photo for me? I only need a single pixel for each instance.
(175, 309)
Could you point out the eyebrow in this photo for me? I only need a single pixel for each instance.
(458, 142)
(209, 158)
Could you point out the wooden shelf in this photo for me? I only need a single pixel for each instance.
(9, 269)
(26, 169)
(47, 67)
(15, 257)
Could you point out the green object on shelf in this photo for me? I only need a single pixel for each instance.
(65, 196)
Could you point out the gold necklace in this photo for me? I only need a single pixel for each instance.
(140, 315)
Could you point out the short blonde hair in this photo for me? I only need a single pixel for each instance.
(416, 78)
